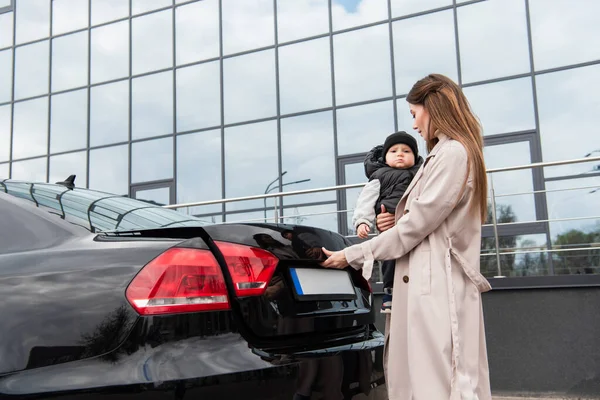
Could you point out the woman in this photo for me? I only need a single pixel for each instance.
(435, 339)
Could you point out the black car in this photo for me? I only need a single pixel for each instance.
(103, 295)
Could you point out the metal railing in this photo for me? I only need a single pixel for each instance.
(494, 223)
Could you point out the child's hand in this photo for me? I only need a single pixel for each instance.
(363, 231)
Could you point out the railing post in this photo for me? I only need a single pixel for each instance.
(495, 225)
(276, 210)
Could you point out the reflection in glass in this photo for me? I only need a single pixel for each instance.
(250, 165)
(247, 25)
(33, 20)
(31, 70)
(4, 171)
(307, 152)
(249, 86)
(489, 47)
(422, 45)
(152, 105)
(530, 259)
(197, 36)
(108, 169)
(305, 76)
(152, 41)
(198, 96)
(109, 113)
(140, 6)
(30, 170)
(563, 111)
(69, 61)
(406, 7)
(5, 117)
(110, 52)
(514, 207)
(347, 14)
(301, 19)
(361, 128)
(65, 165)
(199, 170)
(6, 30)
(30, 128)
(160, 196)
(109, 10)
(325, 218)
(368, 52)
(6, 76)
(502, 107)
(563, 32)
(68, 121)
(152, 160)
(69, 15)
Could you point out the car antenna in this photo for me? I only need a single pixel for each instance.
(69, 182)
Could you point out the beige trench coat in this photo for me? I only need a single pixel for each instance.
(435, 339)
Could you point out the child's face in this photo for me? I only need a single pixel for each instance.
(400, 156)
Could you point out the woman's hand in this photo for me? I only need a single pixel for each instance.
(385, 220)
(335, 259)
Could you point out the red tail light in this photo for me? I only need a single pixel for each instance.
(179, 280)
(251, 269)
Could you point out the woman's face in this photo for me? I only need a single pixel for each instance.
(421, 119)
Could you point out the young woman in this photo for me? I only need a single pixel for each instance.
(435, 338)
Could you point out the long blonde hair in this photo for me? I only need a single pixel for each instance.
(451, 114)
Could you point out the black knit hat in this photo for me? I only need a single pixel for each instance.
(400, 137)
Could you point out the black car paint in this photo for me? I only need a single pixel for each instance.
(68, 327)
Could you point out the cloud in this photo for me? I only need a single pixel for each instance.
(30, 129)
(198, 96)
(109, 52)
(247, 25)
(69, 68)
(152, 105)
(157, 167)
(197, 35)
(361, 128)
(68, 124)
(69, 15)
(30, 170)
(301, 19)
(109, 10)
(405, 7)
(6, 30)
(109, 113)
(6, 61)
(33, 20)
(31, 66)
(152, 42)
(108, 169)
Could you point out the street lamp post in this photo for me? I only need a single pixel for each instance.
(269, 189)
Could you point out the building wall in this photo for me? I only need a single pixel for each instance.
(180, 101)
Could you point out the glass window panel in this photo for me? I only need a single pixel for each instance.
(405, 123)
(68, 121)
(65, 165)
(5, 117)
(6, 67)
(4, 171)
(198, 96)
(563, 112)
(69, 15)
(514, 207)
(33, 20)
(110, 52)
(30, 128)
(152, 42)
(197, 35)
(531, 260)
(160, 196)
(305, 76)
(421, 45)
(406, 7)
(489, 47)
(300, 19)
(249, 86)
(140, 6)
(108, 169)
(152, 105)
(109, 10)
(307, 152)
(564, 32)
(503, 107)
(152, 160)
(109, 113)
(250, 165)
(241, 18)
(349, 13)
(6, 29)
(30, 170)
(322, 216)
(70, 61)
(361, 128)
(368, 52)
(199, 170)
(31, 66)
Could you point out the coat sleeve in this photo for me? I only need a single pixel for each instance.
(364, 212)
(438, 197)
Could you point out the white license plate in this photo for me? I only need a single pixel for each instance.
(322, 283)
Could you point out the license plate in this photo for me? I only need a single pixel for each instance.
(315, 284)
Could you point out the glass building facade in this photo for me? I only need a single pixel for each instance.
(180, 101)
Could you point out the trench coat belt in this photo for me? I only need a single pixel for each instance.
(482, 285)
(367, 269)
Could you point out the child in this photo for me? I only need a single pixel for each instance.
(390, 169)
